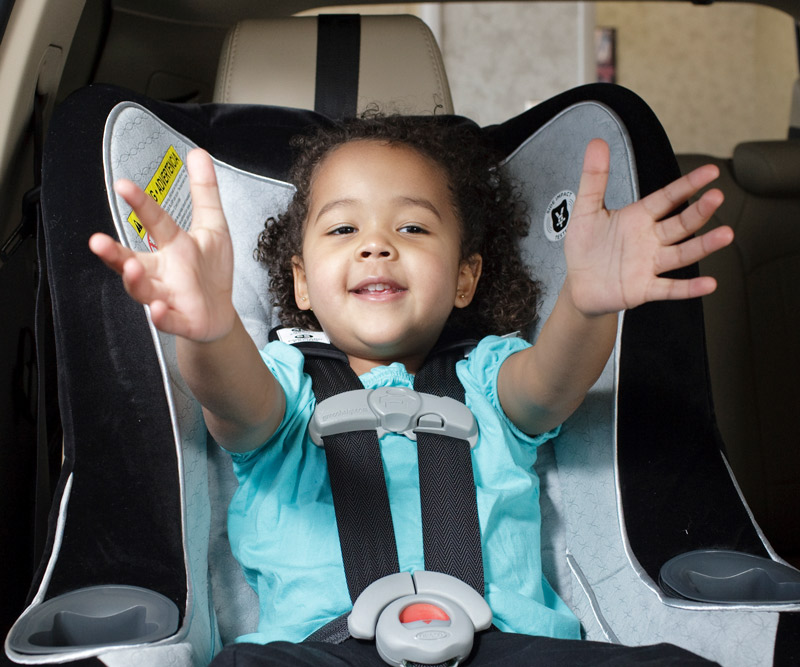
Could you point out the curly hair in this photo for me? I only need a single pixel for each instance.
(487, 205)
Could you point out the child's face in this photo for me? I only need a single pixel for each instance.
(381, 264)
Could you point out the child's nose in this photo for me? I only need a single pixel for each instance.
(375, 252)
(376, 247)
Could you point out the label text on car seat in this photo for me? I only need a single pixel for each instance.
(169, 189)
(556, 218)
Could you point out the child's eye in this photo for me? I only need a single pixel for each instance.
(413, 229)
(343, 229)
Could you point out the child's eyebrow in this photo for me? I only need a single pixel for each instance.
(418, 201)
(336, 203)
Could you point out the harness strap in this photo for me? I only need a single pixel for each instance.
(450, 526)
(450, 530)
(358, 485)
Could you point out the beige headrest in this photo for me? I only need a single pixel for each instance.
(768, 168)
(274, 62)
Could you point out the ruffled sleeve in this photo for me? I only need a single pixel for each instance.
(480, 370)
(286, 364)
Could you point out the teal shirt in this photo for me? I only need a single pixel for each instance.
(282, 525)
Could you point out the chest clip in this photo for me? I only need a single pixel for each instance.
(392, 410)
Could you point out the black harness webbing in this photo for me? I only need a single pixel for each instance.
(358, 485)
(338, 59)
(451, 532)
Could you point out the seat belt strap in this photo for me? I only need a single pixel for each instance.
(451, 531)
(451, 534)
(338, 62)
(358, 485)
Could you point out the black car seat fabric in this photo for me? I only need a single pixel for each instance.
(634, 479)
(752, 323)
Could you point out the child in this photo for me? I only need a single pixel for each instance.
(398, 229)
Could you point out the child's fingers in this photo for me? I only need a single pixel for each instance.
(113, 253)
(695, 249)
(128, 265)
(594, 179)
(155, 219)
(658, 204)
(141, 285)
(206, 203)
(667, 289)
(690, 220)
(168, 320)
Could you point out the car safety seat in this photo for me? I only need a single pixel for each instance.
(635, 481)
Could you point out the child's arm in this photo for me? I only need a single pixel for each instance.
(614, 262)
(188, 285)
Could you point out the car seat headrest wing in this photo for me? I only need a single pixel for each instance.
(247, 200)
(279, 62)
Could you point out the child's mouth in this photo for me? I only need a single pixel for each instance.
(377, 289)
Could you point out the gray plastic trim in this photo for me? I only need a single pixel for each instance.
(95, 617)
(586, 587)
(44, 585)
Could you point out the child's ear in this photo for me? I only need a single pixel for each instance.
(300, 284)
(468, 276)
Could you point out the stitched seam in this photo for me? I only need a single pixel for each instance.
(232, 54)
(429, 41)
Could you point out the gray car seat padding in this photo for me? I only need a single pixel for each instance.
(587, 551)
(617, 591)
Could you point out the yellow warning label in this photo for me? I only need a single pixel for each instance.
(159, 186)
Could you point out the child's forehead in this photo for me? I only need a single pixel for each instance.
(357, 150)
(377, 171)
(382, 166)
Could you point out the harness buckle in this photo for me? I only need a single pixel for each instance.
(427, 618)
(393, 410)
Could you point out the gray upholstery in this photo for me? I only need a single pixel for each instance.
(752, 325)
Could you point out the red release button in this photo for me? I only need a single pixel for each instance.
(422, 611)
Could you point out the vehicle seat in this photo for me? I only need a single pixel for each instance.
(290, 62)
(752, 323)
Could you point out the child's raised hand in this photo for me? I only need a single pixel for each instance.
(615, 258)
(188, 282)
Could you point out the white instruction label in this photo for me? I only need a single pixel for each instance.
(295, 335)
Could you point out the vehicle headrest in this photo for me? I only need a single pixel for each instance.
(768, 168)
(276, 62)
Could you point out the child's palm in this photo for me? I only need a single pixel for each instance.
(188, 282)
(615, 258)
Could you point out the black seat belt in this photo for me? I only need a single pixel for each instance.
(450, 529)
(358, 485)
(451, 532)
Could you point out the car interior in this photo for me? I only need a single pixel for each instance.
(58, 59)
